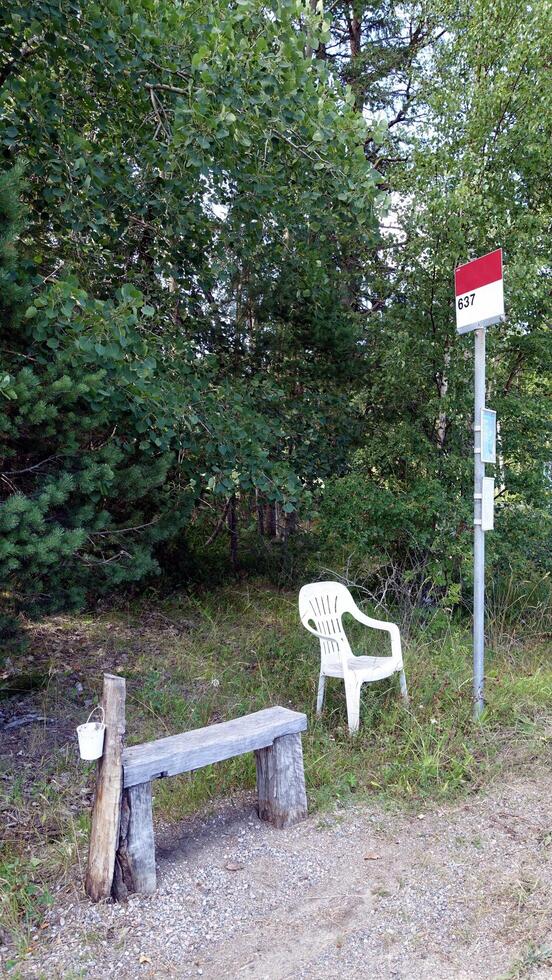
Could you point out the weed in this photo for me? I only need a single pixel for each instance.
(22, 902)
(518, 609)
(534, 956)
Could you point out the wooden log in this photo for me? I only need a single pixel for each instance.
(174, 754)
(104, 834)
(135, 860)
(282, 798)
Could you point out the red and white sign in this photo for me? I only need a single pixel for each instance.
(479, 292)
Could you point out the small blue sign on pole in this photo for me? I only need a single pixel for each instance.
(488, 435)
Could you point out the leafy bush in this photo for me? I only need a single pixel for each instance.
(414, 549)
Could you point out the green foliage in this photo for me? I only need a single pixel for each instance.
(179, 110)
(202, 317)
(467, 155)
(12, 291)
(111, 440)
(188, 218)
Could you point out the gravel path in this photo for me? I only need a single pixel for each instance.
(460, 892)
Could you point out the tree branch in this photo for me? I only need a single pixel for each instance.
(220, 525)
(151, 86)
(35, 467)
(121, 530)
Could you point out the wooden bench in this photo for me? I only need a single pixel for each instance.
(273, 734)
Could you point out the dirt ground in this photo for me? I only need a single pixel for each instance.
(461, 891)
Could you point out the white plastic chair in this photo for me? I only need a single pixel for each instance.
(324, 603)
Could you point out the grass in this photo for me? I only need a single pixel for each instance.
(195, 660)
(532, 959)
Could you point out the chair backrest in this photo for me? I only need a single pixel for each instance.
(323, 605)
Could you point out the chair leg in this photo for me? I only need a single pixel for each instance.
(404, 689)
(320, 696)
(352, 695)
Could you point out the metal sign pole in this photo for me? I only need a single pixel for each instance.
(479, 302)
(479, 534)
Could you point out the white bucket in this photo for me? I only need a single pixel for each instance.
(91, 737)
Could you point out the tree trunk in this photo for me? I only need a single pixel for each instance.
(270, 520)
(442, 387)
(260, 513)
(290, 525)
(355, 35)
(232, 522)
(280, 522)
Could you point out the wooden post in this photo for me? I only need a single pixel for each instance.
(104, 833)
(135, 861)
(282, 798)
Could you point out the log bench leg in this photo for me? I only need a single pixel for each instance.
(282, 798)
(135, 861)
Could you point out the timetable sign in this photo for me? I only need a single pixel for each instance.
(479, 292)
(488, 435)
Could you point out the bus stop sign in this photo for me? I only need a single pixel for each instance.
(479, 292)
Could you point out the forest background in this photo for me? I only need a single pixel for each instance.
(227, 244)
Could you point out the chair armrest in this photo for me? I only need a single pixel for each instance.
(379, 624)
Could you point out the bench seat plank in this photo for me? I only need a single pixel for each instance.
(193, 750)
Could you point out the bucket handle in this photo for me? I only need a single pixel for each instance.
(97, 708)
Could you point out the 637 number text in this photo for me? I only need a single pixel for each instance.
(465, 301)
